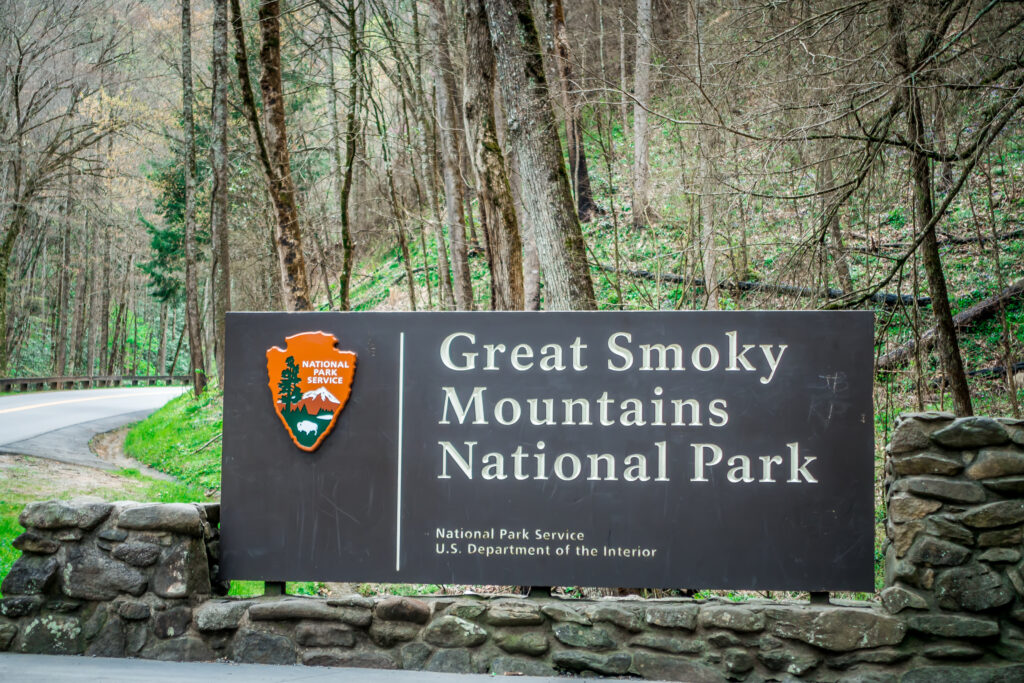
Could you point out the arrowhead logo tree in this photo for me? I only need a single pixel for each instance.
(310, 381)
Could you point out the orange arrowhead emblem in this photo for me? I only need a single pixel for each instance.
(310, 381)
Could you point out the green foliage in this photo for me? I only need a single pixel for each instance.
(9, 529)
(290, 391)
(182, 439)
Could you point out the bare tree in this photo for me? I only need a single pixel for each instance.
(494, 190)
(532, 133)
(195, 340)
(641, 103)
(449, 126)
(219, 167)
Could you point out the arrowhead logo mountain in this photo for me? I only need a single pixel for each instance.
(310, 381)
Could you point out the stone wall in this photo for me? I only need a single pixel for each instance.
(131, 580)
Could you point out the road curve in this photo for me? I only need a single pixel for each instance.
(59, 424)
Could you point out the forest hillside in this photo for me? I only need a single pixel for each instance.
(163, 163)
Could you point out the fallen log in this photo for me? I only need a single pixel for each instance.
(983, 310)
(946, 239)
(883, 298)
(996, 370)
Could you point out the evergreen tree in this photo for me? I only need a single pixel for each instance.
(290, 393)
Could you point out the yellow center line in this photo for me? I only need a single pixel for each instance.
(67, 400)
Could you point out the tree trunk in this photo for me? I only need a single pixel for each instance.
(287, 232)
(830, 212)
(500, 226)
(161, 351)
(451, 142)
(641, 130)
(79, 337)
(949, 348)
(343, 173)
(60, 340)
(580, 177)
(219, 169)
(546, 193)
(198, 366)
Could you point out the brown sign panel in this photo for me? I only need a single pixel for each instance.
(660, 449)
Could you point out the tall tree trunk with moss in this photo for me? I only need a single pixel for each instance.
(533, 134)
(219, 168)
(343, 172)
(948, 344)
(451, 142)
(578, 173)
(501, 229)
(288, 233)
(641, 100)
(198, 367)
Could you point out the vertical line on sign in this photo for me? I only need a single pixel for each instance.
(401, 410)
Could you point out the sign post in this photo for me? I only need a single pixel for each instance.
(700, 450)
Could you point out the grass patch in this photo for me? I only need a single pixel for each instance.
(182, 439)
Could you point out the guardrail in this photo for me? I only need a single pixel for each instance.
(87, 382)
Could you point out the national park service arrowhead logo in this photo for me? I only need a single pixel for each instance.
(310, 381)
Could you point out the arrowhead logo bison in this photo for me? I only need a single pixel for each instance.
(310, 381)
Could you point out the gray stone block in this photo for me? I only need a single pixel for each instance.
(953, 625)
(449, 632)
(176, 518)
(31, 542)
(110, 641)
(172, 622)
(59, 514)
(518, 666)
(941, 488)
(52, 635)
(321, 634)
(467, 609)
(183, 649)
(676, 646)
(895, 599)
(256, 647)
(971, 432)
(522, 642)
(628, 618)
(30, 574)
(613, 664)
(673, 616)
(837, 629)
(218, 615)
(455, 661)
(137, 553)
(91, 575)
(513, 613)
(403, 609)
(926, 463)
(997, 462)
(935, 552)
(1003, 513)
(357, 660)
(20, 606)
(415, 655)
(739, 619)
(562, 613)
(974, 588)
(661, 667)
(390, 633)
(590, 637)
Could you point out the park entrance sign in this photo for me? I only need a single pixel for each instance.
(659, 449)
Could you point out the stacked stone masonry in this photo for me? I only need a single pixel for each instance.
(134, 580)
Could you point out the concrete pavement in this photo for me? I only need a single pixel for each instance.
(59, 424)
(48, 668)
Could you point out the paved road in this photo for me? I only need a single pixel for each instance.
(46, 668)
(59, 424)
